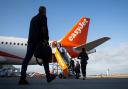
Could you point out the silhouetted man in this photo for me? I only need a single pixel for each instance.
(38, 32)
(83, 57)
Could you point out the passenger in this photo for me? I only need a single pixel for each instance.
(63, 53)
(38, 32)
(61, 49)
(83, 57)
(77, 70)
(72, 66)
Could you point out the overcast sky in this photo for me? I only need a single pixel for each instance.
(108, 18)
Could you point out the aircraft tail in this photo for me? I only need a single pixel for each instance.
(78, 34)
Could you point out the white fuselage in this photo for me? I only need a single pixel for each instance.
(13, 50)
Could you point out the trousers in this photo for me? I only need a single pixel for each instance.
(83, 69)
(29, 54)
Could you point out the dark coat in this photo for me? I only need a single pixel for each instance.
(38, 30)
(83, 57)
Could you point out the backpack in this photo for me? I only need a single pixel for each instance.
(43, 52)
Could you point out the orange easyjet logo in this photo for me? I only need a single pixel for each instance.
(77, 31)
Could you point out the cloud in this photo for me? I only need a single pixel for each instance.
(115, 58)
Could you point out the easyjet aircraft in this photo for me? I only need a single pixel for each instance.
(13, 50)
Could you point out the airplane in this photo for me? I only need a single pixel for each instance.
(13, 49)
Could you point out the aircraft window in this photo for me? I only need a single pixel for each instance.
(25, 44)
(2, 42)
(21, 43)
(6, 43)
(10, 43)
(18, 43)
(14, 43)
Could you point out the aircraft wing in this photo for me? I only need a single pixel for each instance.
(91, 45)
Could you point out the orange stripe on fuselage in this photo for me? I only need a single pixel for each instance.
(5, 54)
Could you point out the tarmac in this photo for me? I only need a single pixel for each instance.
(89, 83)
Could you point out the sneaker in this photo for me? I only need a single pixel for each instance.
(51, 78)
(84, 78)
(23, 82)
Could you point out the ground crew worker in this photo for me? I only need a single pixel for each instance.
(83, 58)
(38, 32)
